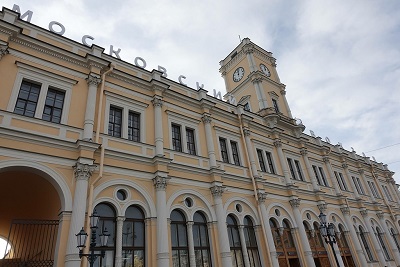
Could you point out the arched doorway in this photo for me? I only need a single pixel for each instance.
(344, 247)
(284, 244)
(30, 206)
(320, 254)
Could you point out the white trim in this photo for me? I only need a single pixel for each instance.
(126, 104)
(45, 79)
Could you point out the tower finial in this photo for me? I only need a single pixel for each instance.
(240, 39)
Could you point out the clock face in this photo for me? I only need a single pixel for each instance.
(265, 70)
(238, 74)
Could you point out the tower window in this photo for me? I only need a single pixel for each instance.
(275, 103)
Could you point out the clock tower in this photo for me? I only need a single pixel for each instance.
(252, 80)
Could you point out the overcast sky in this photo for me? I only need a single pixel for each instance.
(340, 60)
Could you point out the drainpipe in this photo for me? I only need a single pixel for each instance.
(90, 195)
(254, 190)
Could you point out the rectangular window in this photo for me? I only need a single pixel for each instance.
(176, 137)
(261, 160)
(27, 99)
(270, 163)
(224, 150)
(275, 103)
(316, 174)
(298, 169)
(374, 189)
(53, 106)
(291, 168)
(358, 185)
(191, 147)
(134, 126)
(115, 122)
(343, 181)
(235, 153)
(323, 177)
(387, 193)
(338, 180)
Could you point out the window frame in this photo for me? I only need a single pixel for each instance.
(185, 123)
(197, 226)
(127, 105)
(47, 80)
(358, 185)
(176, 137)
(179, 247)
(295, 169)
(228, 140)
(235, 152)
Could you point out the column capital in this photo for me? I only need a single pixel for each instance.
(189, 223)
(206, 118)
(241, 226)
(380, 215)
(295, 202)
(120, 218)
(278, 143)
(3, 51)
(326, 159)
(303, 151)
(361, 171)
(246, 132)
(160, 182)
(344, 165)
(322, 206)
(345, 210)
(83, 171)
(364, 212)
(261, 196)
(217, 190)
(157, 101)
(283, 91)
(93, 79)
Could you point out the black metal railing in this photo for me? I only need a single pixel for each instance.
(32, 243)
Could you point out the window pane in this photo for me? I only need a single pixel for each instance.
(139, 234)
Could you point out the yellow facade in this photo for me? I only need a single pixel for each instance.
(178, 177)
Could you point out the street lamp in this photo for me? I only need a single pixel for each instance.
(82, 236)
(328, 232)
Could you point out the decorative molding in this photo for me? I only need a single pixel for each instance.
(326, 159)
(160, 183)
(217, 190)
(3, 50)
(322, 207)
(93, 79)
(295, 202)
(83, 171)
(261, 196)
(157, 101)
(344, 165)
(361, 171)
(303, 151)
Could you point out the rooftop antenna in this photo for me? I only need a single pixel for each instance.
(240, 39)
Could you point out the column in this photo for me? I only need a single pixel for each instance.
(262, 99)
(223, 239)
(336, 251)
(283, 93)
(248, 49)
(308, 257)
(310, 172)
(192, 256)
(392, 244)
(357, 247)
(82, 174)
(348, 176)
(392, 186)
(158, 133)
(244, 248)
(363, 178)
(270, 239)
(160, 184)
(332, 175)
(375, 242)
(118, 242)
(250, 152)
(209, 139)
(93, 80)
(282, 160)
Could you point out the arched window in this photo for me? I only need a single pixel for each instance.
(133, 238)
(251, 242)
(201, 241)
(344, 247)
(107, 221)
(234, 242)
(180, 249)
(287, 235)
(379, 235)
(365, 243)
(395, 238)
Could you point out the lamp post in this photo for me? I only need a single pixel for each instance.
(82, 236)
(328, 232)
